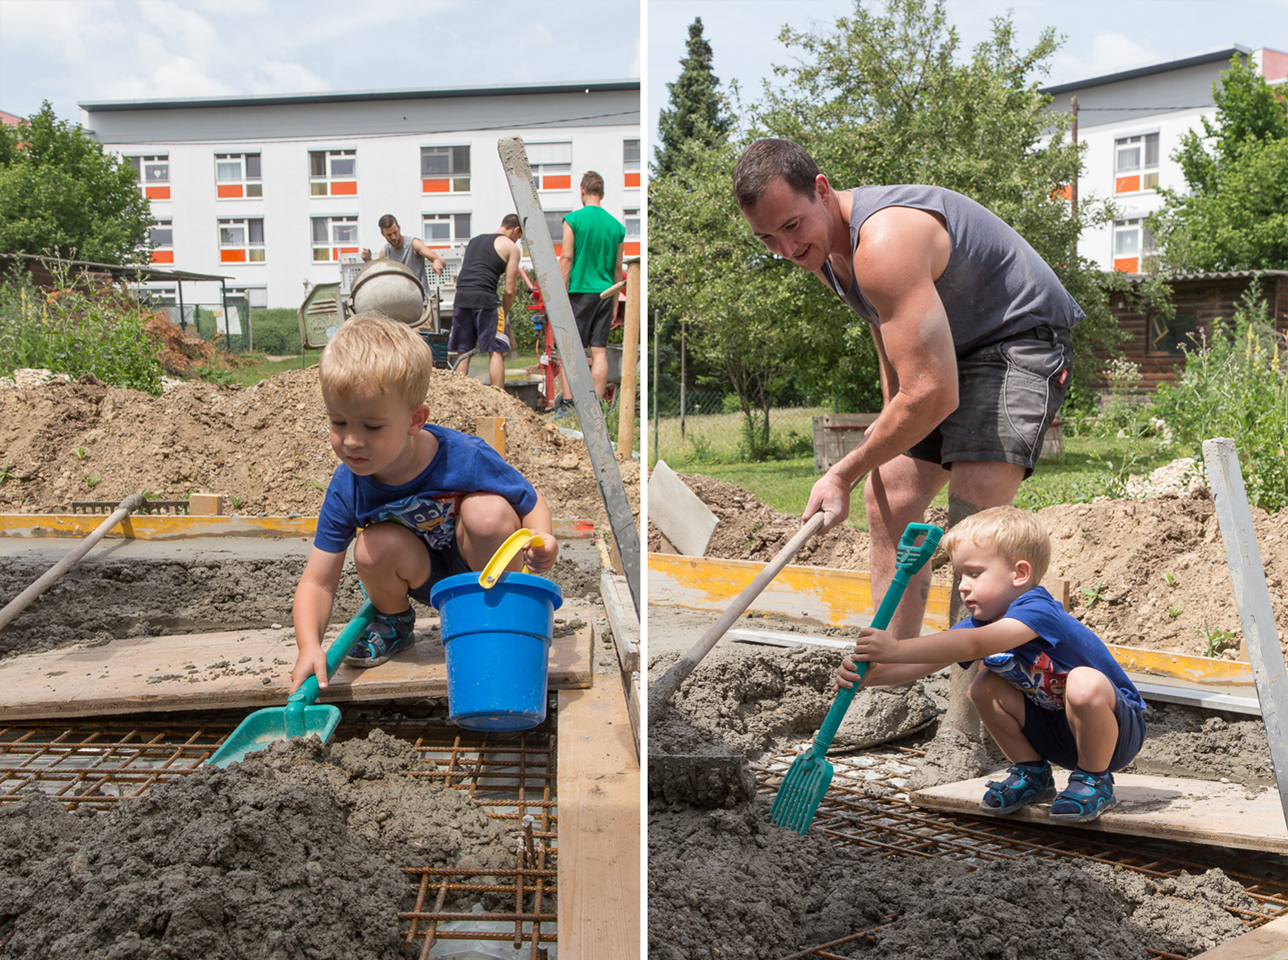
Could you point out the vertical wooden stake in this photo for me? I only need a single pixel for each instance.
(630, 359)
(491, 430)
(1260, 636)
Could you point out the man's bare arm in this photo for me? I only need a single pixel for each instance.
(565, 253)
(511, 255)
(432, 256)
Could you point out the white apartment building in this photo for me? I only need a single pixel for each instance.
(1132, 122)
(270, 191)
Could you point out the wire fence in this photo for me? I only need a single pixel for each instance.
(229, 328)
(707, 425)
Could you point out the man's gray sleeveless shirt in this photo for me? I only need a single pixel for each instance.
(995, 285)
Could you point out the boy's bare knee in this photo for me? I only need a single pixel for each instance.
(381, 543)
(1087, 687)
(487, 516)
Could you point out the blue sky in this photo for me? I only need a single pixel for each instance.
(69, 51)
(1103, 36)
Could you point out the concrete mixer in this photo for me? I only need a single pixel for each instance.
(379, 286)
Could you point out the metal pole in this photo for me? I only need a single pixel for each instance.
(518, 172)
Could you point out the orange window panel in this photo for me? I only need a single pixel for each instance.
(1062, 193)
(435, 186)
(632, 179)
(556, 183)
(228, 190)
(163, 256)
(558, 249)
(345, 250)
(632, 248)
(344, 189)
(157, 193)
(1127, 265)
(1127, 184)
(232, 256)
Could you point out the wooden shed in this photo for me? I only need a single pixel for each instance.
(1200, 299)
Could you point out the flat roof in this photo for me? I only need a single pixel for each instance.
(1213, 56)
(358, 96)
(138, 271)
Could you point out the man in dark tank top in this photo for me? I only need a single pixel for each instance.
(479, 317)
(972, 334)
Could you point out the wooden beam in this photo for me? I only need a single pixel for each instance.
(630, 360)
(1248, 575)
(491, 430)
(1170, 808)
(1267, 942)
(599, 827)
(246, 669)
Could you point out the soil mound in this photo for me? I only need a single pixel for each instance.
(264, 447)
(284, 855)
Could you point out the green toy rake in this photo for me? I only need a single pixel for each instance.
(808, 777)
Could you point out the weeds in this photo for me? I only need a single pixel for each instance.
(1175, 611)
(81, 454)
(1092, 595)
(5, 470)
(93, 481)
(1215, 640)
(1169, 578)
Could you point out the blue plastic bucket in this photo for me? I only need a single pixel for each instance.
(497, 643)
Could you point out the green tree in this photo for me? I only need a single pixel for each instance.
(697, 111)
(60, 190)
(1234, 213)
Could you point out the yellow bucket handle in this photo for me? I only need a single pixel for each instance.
(501, 559)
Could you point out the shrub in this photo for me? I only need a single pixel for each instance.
(276, 331)
(1235, 384)
(78, 328)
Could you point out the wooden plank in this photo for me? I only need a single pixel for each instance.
(1158, 663)
(39, 525)
(1267, 942)
(834, 597)
(247, 668)
(1248, 575)
(599, 826)
(1171, 808)
(623, 621)
(678, 512)
(491, 430)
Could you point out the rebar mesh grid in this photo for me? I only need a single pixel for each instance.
(867, 805)
(97, 762)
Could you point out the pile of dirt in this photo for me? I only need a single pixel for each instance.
(265, 447)
(292, 853)
(726, 883)
(1148, 573)
(180, 354)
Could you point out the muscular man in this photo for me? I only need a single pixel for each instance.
(479, 318)
(411, 255)
(591, 262)
(971, 330)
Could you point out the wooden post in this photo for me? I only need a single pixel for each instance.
(1260, 636)
(491, 430)
(630, 359)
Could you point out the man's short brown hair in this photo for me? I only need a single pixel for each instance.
(768, 160)
(387, 221)
(593, 183)
(510, 221)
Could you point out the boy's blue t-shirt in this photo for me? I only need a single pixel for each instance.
(1038, 667)
(427, 505)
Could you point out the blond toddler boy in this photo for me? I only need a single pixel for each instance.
(424, 502)
(1050, 692)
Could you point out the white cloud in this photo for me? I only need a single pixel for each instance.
(275, 76)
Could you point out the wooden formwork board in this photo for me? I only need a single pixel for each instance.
(1170, 808)
(245, 668)
(599, 826)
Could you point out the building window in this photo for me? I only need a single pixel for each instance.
(551, 165)
(1167, 337)
(631, 162)
(441, 230)
(333, 173)
(444, 169)
(1131, 242)
(156, 296)
(255, 298)
(631, 218)
(237, 175)
(153, 175)
(162, 238)
(1136, 163)
(241, 241)
(333, 236)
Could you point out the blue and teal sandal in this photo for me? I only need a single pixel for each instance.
(1086, 797)
(1024, 784)
(387, 634)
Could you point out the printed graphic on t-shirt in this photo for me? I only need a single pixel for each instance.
(433, 519)
(1041, 681)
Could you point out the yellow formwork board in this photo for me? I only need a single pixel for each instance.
(1204, 670)
(160, 527)
(837, 597)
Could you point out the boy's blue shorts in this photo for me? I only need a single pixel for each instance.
(1048, 733)
(442, 563)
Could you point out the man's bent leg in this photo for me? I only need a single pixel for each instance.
(496, 370)
(599, 369)
(896, 494)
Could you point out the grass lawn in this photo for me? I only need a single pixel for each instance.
(1092, 466)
